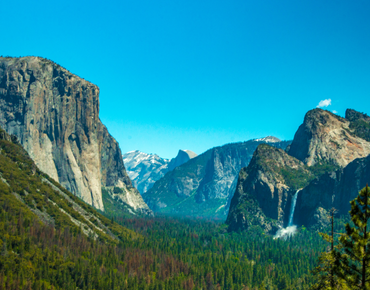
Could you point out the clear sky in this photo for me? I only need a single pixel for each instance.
(196, 74)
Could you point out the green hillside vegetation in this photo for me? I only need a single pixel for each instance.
(115, 207)
(359, 124)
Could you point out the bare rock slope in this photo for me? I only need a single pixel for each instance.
(326, 137)
(55, 115)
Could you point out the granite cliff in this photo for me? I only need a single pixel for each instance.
(55, 115)
(265, 188)
(323, 145)
(333, 189)
(326, 137)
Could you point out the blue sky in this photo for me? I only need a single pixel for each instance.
(198, 74)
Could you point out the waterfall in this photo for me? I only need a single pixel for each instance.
(291, 229)
(292, 208)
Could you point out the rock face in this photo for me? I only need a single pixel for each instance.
(201, 186)
(145, 169)
(265, 188)
(55, 116)
(23, 187)
(323, 145)
(334, 189)
(326, 137)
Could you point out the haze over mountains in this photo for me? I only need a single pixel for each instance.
(145, 169)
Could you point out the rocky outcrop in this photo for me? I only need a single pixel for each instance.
(326, 137)
(323, 145)
(55, 116)
(145, 169)
(265, 189)
(201, 186)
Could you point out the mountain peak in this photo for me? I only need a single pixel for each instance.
(182, 157)
(327, 138)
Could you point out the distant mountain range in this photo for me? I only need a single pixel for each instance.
(203, 185)
(145, 169)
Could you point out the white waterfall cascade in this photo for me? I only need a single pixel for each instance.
(291, 229)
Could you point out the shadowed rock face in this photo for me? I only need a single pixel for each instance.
(55, 116)
(265, 188)
(334, 189)
(326, 137)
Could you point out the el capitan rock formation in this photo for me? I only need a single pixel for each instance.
(55, 115)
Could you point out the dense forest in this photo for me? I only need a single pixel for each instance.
(49, 239)
(174, 254)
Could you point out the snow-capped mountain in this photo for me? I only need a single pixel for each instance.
(145, 169)
(268, 139)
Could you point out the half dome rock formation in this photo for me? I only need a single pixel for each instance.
(326, 137)
(182, 157)
(55, 115)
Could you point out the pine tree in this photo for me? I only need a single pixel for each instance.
(327, 271)
(354, 264)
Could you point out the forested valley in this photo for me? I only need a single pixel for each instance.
(50, 239)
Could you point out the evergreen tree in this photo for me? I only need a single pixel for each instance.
(326, 271)
(354, 264)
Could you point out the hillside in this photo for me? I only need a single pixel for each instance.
(28, 191)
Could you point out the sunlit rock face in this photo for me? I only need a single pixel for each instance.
(55, 116)
(326, 137)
